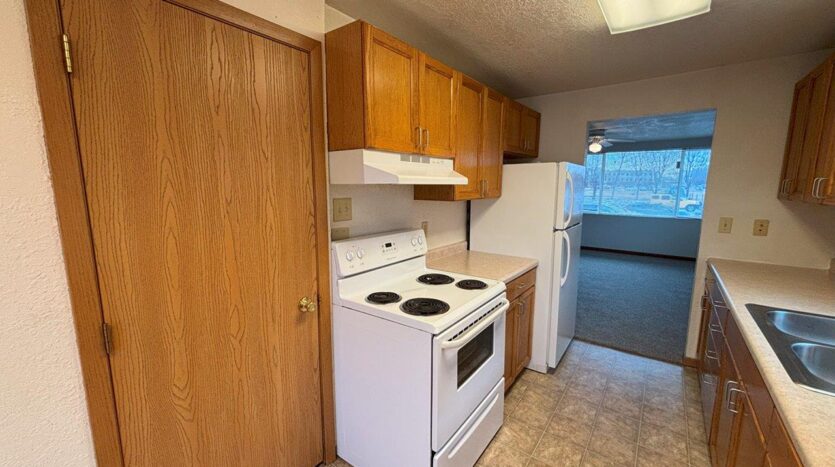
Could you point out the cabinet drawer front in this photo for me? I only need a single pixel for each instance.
(761, 403)
(521, 284)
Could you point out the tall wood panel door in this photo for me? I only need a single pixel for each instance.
(468, 146)
(492, 142)
(438, 96)
(197, 148)
(392, 73)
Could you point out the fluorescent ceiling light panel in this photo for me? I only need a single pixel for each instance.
(631, 15)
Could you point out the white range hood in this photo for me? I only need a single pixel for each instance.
(369, 166)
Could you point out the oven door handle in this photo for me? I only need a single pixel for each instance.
(487, 321)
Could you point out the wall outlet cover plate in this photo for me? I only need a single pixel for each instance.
(760, 227)
(726, 224)
(342, 209)
(340, 233)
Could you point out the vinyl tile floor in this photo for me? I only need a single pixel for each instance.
(601, 407)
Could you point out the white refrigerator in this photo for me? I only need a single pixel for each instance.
(540, 216)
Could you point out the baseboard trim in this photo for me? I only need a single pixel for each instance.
(637, 253)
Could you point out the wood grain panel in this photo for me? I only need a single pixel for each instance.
(513, 127)
(492, 144)
(825, 165)
(794, 141)
(346, 103)
(438, 101)
(819, 85)
(468, 141)
(203, 247)
(76, 237)
(391, 96)
(524, 331)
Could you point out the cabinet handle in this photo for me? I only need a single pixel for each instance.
(732, 400)
(420, 137)
(715, 327)
(816, 187)
(707, 379)
(712, 357)
(426, 144)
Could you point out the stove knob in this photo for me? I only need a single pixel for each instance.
(420, 240)
(349, 255)
(360, 253)
(414, 241)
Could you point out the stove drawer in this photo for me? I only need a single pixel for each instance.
(469, 442)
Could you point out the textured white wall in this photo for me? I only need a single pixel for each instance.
(753, 103)
(378, 208)
(43, 416)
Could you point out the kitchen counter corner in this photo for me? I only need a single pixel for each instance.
(487, 265)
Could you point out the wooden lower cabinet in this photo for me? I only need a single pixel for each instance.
(519, 326)
(744, 428)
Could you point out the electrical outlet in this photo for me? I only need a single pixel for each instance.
(425, 227)
(760, 227)
(341, 209)
(340, 233)
(726, 224)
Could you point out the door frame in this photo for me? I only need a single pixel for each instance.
(63, 154)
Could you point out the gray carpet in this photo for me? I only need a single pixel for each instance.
(638, 304)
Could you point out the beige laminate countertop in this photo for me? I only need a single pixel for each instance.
(488, 265)
(809, 416)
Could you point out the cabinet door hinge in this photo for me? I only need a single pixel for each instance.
(107, 334)
(67, 56)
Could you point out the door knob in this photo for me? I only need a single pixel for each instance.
(307, 305)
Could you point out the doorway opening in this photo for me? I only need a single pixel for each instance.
(646, 180)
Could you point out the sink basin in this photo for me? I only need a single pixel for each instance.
(804, 326)
(818, 359)
(804, 343)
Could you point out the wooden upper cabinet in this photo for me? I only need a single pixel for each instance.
(385, 94)
(438, 92)
(492, 145)
(530, 132)
(809, 163)
(468, 149)
(521, 130)
(391, 92)
(513, 127)
(824, 189)
(478, 145)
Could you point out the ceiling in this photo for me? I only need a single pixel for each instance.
(668, 127)
(534, 47)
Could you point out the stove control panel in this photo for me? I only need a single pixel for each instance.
(360, 254)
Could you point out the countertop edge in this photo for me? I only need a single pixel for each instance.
(526, 264)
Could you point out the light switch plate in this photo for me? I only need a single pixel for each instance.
(726, 224)
(760, 227)
(342, 209)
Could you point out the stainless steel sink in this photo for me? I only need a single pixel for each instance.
(818, 359)
(804, 343)
(804, 326)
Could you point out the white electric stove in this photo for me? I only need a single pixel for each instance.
(418, 355)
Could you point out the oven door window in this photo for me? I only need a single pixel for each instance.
(474, 353)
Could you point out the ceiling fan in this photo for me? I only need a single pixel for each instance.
(598, 139)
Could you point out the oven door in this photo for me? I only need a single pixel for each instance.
(468, 361)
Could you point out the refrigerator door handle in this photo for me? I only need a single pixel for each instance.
(571, 193)
(567, 239)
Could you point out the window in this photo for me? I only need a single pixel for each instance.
(666, 183)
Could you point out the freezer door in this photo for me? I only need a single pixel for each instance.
(564, 291)
(571, 184)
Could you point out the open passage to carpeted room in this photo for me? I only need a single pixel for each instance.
(635, 303)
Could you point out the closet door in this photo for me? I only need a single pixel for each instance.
(196, 140)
